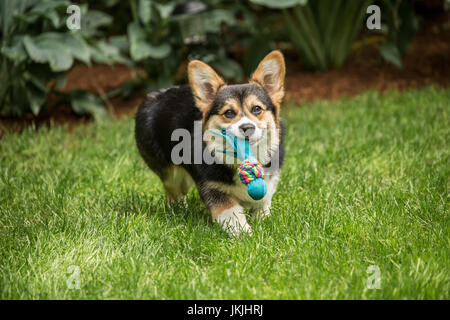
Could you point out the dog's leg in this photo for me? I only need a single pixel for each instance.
(177, 183)
(225, 211)
(232, 219)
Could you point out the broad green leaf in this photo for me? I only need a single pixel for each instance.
(230, 69)
(44, 7)
(77, 47)
(44, 49)
(16, 51)
(60, 80)
(165, 10)
(71, 42)
(36, 99)
(93, 19)
(391, 54)
(85, 102)
(215, 18)
(145, 11)
(140, 49)
(279, 4)
(104, 52)
(121, 42)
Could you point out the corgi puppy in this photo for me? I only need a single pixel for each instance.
(248, 111)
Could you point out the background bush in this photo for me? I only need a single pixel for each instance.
(37, 49)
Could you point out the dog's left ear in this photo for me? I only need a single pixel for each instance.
(204, 83)
(270, 75)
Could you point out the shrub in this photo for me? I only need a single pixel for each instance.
(154, 41)
(400, 24)
(36, 50)
(322, 31)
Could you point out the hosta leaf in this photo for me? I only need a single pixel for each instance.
(104, 52)
(94, 19)
(279, 4)
(36, 99)
(84, 102)
(391, 54)
(230, 69)
(44, 7)
(145, 11)
(60, 80)
(165, 10)
(71, 42)
(215, 18)
(121, 42)
(77, 47)
(140, 49)
(16, 51)
(44, 49)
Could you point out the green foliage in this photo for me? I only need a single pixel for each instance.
(400, 25)
(279, 4)
(322, 31)
(37, 48)
(156, 43)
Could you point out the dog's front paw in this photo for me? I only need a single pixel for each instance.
(234, 222)
(262, 213)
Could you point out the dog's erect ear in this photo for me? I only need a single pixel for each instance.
(204, 83)
(270, 75)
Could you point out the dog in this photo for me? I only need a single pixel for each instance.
(248, 111)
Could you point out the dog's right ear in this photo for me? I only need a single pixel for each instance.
(204, 83)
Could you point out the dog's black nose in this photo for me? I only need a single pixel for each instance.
(247, 129)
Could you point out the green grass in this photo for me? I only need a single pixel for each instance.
(365, 183)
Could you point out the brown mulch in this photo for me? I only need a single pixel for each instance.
(426, 62)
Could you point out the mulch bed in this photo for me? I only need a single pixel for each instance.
(426, 62)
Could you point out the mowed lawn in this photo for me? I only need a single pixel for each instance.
(365, 183)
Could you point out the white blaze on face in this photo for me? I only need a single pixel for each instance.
(264, 141)
(253, 138)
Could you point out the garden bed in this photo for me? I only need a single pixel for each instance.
(426, 62)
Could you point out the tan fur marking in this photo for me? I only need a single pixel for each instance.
(205, 83)
(233, 104)
(218, 121)
(270, 75)
(216, 210)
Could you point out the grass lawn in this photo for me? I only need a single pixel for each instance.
(365, 183)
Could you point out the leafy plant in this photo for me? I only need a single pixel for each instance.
(156, 44)
(37, 49)
(399, 27)
(322, 31)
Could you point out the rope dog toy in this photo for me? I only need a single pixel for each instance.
(250, 171)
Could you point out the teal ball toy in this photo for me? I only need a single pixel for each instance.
(250, 171)
(257, 189)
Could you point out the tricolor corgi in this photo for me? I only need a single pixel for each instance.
(248, 111)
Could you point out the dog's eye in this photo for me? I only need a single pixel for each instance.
(256, 110)
(229, 114)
